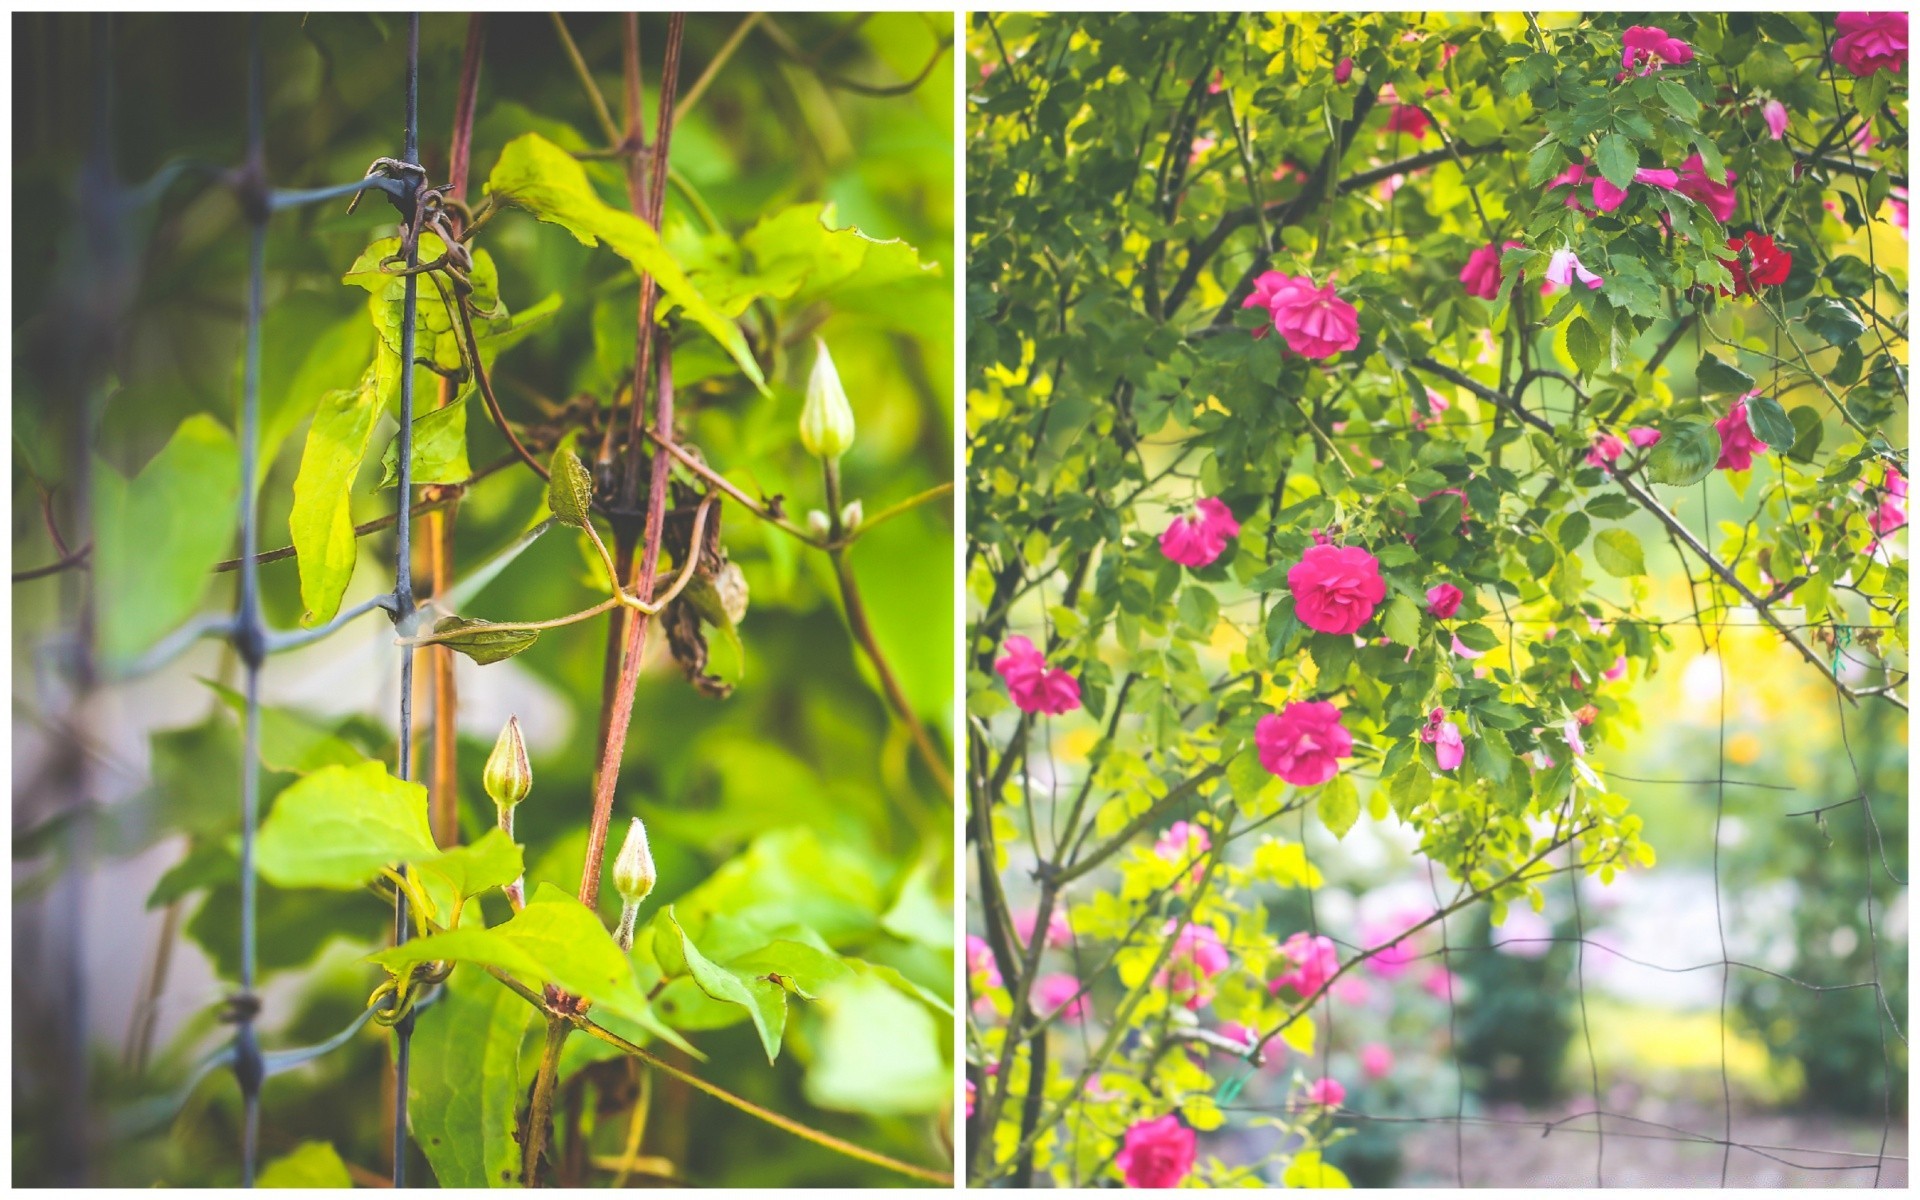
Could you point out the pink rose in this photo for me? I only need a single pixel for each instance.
(1481, 275)
(1617, 671)
(1303, 742)
(1315, 960)
(970, 1094)
(1719, 198)
(1201, 145)
(1197, 539)
(1181, 841)
(1605, 449)
(1443, 600)
(1375, 1061)
(1449, 749)
(1438, 983)
(1650, 46)
(1052, 992)
(1156, 1153)
(1737, 440)
(1197, 957)
(1033, 687)
(1464, 650)
(1409, 119)
(1059, 929)
(1643, 436)
(1343, 70)
(1565, 267)
(1266, 287)
(1871, 41)
(1335, 588)
(1326, 1092)
(981, 970)
(1775, 115)
(1390, 957)
(1314, 322)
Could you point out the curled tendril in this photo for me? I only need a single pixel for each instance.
(395, 998)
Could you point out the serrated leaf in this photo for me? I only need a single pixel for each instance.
(1584, 346)
(1339, 805)
(540, 177)
(482, 641)
(439, 448)
(1619, 554)
(1718, 378)
(1402, 621)
(569, 488)
(1617, 160)
(1573, 530)
(491, 861)
(1808, 430)
(1835, 321)
(1769, 421)
(1409, 789)
(1685, 455)
(1476, 637)
(338, 826)
(1251, 785)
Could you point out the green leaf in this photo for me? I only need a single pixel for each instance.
(480, 640)
(1808, 429)
(1308, 1169)
(464, 1089)
(569, 488)
(1685, 455)
(797, 254)
(1476, 637)
(878, 1052)
(1619, 554)
(1402, 621)
(322, 518)
(492, 861)
(308, 1165)
(549, 183)
(289, 741)
(1252, 786)
(1717, 378)
(1835, 321)
(1410, 788)
(1769, 422)
(1573, 530)
(1617, 160)
(918, 914)
(766, 1003)
(338, 826)
(1584, 346)
(439, 448)
(1679, 99)
(802, 969)
(160, 534)
(1339, 805)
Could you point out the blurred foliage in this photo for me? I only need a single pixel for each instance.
(793, 804)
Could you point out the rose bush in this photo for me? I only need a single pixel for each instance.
(1470, 325)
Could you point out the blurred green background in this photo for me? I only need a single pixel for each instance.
(801, 779)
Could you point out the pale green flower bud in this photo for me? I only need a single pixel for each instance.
(633, 866)
(818, 523)
(851, 515)
(826, 423)
(509, 776)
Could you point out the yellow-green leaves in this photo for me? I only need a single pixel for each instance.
(540, 177)
(1619, 553)
(338, 826)
(465, 1086)
(569, 488)
(1685, 454)
(764, 1000)
(482, 641)
(322, 518)
(160, 534)
(1339, 805)
(308, 1165)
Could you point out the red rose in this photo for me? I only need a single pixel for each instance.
(1757, 263)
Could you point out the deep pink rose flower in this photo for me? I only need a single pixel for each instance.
(1327, 1092)
(1871, 41)
(1565, 266)
(1617, 671)
(1719, 198)
(1449, 749)
(1059, 929)
(1335, 588)
(1737, 439)
(1314, 959)
(1650, 47)
(1033, 687)
(1605, 449)
(1481, 275)
(1443, 600)
(1463, 650)
(1409, 119)
(1264, 290)
(1051, 992)
(1376, 1061)
(1197, 539)
(1643, 436)
(1157, 1153)
(1343, 70)
(1314, 322)
(1303, 742)
(1181, 841)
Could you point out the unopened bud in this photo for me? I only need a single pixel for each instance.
(633, 866)
(818, 523)
(509, 776)
(850, 515)
(826, 423)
